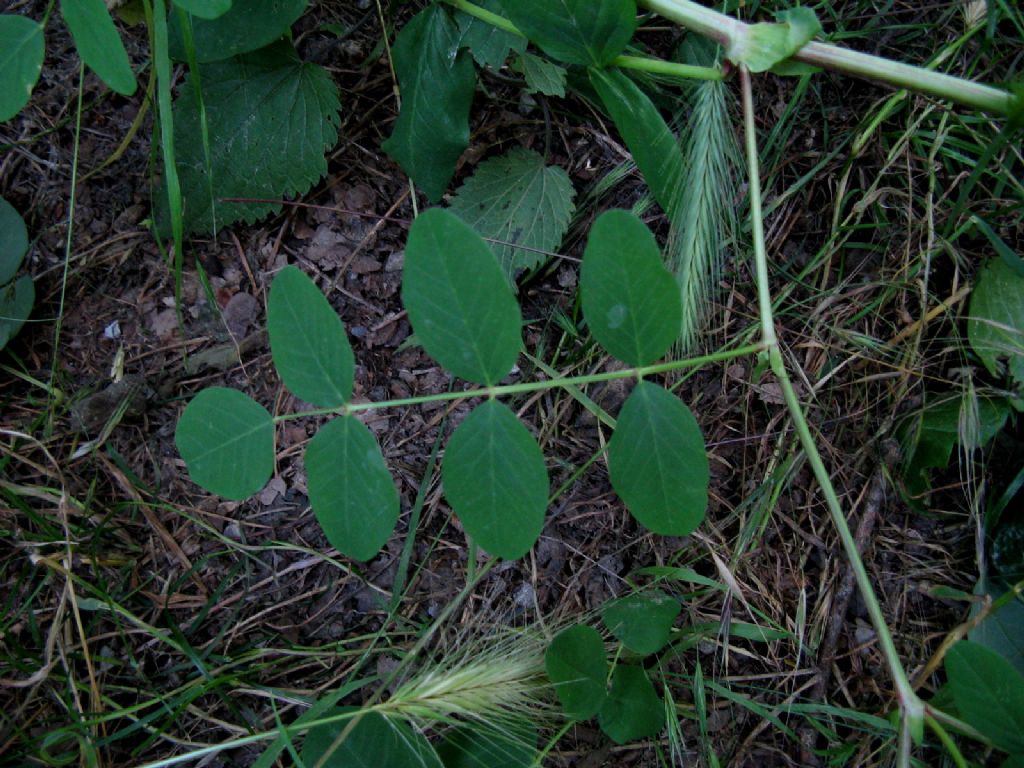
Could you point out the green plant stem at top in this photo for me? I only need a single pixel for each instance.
(912, 709)
(532, 386)
(733, 35)
(640, 63)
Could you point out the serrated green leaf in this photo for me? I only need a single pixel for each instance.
(989, 693)
(495, 480)
(488, 44)
(350, 489)
(585, 32)
(762, 46)
(930, 440)
(16, 300)
(98, 43)
(307, 340)
(459, 301)
(227, 441)
(248, 26)
(652, 144)
(542, 76)
(630, 300)
(995, 327)
(657, 462)
(13, 241)
(632, 709)
(205, 9)
(478, 746)
(578, 669)
(437, 83)
(516, 200)
(21, 60)
(271, 119)
(374, 741)
(642, 622)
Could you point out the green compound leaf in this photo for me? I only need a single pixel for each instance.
(585, 32)
(459, 301)
(652, 144)
(16, 300)
(374, 741)
(643, 623)
(495, 480)
(437, 83)
(632, 709)
(517, 200)
(478, 746)
(989, 693)
(308, 342)
(578, 669)
(227, 441)
(248, 26)
(657, 462)
(13, 241)
(630, 300)
(765, 45)
(350, 489)
(21, 60)
(98, 43)
(995, 328)
(542, 76)
(271, 119)
(205, 9)
(489, 45)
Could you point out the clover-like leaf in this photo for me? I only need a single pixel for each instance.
(227, 441)
(762, 46)
(577, 666)
(21, 60)
(653, 146)
(518, 201)
(270, 120)
(13, 241)
(16, 300)
(350, 489)
(247, 26)
(373, 741)
(495, 480)
(585, 32)
(632, 709)
(643, 622)
(437, 82)
(459, 300)
(630, 300)
(308, 342)
(657, 462)
(989, 693)
(98, 43)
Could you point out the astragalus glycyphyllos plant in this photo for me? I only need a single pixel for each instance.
(464, 313)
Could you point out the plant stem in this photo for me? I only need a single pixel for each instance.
(911, 706)
(532, 386)
(670, 68)
(643, 64)
(732, 34)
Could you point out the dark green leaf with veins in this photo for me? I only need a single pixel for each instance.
(437, 83)
(585, 32)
